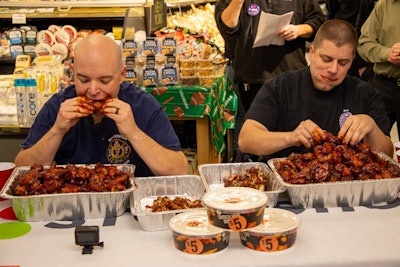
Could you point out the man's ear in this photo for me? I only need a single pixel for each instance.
(123, 73)
(311, 50)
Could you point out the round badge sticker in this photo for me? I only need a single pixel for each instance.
(194, 246)
(268, 243)
(237, 223)
(253, 10)
(343, 117)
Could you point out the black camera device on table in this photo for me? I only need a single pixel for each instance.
(88, 237)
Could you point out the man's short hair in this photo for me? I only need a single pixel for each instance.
(338, 31)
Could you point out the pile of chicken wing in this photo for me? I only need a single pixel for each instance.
(252, 177)
(70, 179)
(333, 161)
(166, 203)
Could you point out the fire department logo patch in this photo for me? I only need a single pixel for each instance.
(118, 150)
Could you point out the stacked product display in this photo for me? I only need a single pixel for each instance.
(171, 59)
(8, 107)
(151, 62)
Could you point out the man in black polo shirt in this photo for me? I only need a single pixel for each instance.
(294, 106)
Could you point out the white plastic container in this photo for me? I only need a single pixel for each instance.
(277, 232)
(193, 234)
(235, 208)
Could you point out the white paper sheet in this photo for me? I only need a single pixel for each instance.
(268, 27)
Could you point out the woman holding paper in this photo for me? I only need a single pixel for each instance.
(240, 19)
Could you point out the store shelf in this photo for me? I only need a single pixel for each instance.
(184, 3)
(6, 59)
(7, 65)
(13, 130)
(70, 4)
(63, 5)
(75, 12)
(72, 9)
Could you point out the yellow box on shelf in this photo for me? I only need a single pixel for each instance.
(23, 61)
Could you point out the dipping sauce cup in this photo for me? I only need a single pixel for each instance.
(277, 232)
(235, 208)
(193, 234)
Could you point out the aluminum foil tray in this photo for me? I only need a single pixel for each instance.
(149, 188)
(68, 206)
(213, 176)
(340, 194)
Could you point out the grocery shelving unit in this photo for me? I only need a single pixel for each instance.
(83, 13)
(100, 14)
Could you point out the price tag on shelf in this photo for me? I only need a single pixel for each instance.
(19, 18)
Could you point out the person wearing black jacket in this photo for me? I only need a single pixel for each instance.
(343, 9)
(238, 20)
(365, 69)
(348, 11)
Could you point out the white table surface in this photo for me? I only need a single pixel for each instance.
(360, 236)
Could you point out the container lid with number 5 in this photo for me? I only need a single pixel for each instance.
(277, 232)
(235, 208)
(193, 234)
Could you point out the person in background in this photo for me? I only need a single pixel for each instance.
(379, 44)
(365, 69)
(294, 107)
(130, 126)
(343, 9)
(230, 43)
(348, 11)
(239, 20)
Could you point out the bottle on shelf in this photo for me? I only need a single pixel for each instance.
(20, 94)
(32, 100)
(27, 101)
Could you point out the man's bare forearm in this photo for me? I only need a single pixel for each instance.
(43, 152)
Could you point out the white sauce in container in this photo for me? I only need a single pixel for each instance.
(193, 223)
(235, 199)
(276, 221)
